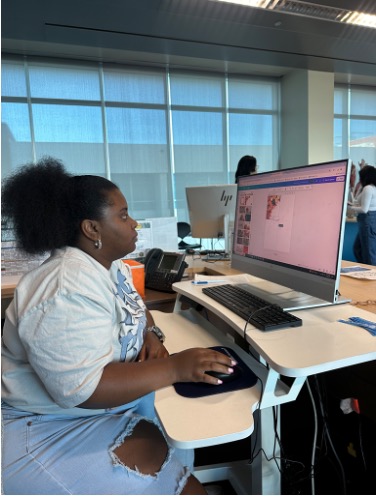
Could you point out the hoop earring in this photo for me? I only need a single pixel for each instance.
(98, 244)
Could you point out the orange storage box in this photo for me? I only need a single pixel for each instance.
(138, 275)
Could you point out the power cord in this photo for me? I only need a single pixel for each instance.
(277, 459)
(251, 316)
(327, 435)
(312, 466)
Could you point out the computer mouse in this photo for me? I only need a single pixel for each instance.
(224, 377)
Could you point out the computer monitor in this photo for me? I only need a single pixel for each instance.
(289, 229)
(211, 211)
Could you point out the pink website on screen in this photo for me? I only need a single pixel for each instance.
(292, 216)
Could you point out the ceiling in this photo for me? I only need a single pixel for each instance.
(193, 34)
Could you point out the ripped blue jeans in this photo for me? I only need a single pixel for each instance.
(53, 454)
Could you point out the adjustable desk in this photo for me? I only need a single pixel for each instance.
(320, 345)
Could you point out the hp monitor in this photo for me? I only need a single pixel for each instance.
(289, 229)
(211, 211)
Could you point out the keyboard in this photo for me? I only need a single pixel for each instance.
(214, 255)
(255, 310)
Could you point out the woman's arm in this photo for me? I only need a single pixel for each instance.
(124, 382)
(152, 347)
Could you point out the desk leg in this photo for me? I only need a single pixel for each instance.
(263, 475)
(178, 305)
(266, 476)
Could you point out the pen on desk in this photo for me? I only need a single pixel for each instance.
(208, 282)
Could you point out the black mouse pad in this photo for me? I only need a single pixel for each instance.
(198, 389)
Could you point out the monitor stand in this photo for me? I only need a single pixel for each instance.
(289, 299)
(216, 257)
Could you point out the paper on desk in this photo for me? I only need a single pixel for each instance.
(361, 273)
(358, 321)
(354, 268)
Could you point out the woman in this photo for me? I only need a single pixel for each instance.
(80, 359)
(247, 165)
(365, 242)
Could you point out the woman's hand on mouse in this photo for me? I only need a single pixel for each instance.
(191, 365)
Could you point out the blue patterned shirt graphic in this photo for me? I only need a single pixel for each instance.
(133, 320)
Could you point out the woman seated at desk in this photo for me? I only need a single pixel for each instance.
(81, 355)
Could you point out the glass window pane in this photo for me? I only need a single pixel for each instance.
(363, 140)
(340, 100)
(15, 118)
(139, 160)
(13, 82)
(137, 140)
(363, 102)
(64, 82)
(251, 134)
(200, 91)
(252, 95)
(16, 147)
(134, 87)
(355, 137)
(338, 132)
(74, 134)
(362, 132)
(67, 123)
(251, 129)
(148, 195)
(138, 126)
(200, 157)
(340, 148)
(197, 128)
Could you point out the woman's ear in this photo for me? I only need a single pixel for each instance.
(90, 229)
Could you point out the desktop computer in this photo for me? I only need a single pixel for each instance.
(289, 230)
(211, 216)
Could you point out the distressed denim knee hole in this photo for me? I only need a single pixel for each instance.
(141, 448)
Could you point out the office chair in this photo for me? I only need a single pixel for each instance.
(184, 229)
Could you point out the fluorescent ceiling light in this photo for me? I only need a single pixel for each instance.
(310, 10)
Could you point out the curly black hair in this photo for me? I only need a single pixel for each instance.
(45, 205)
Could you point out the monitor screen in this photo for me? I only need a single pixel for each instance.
(211, 210)
(289, 227)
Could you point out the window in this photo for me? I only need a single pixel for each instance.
(152, 131)
(355, 123)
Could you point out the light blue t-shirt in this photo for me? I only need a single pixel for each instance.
(69, 318)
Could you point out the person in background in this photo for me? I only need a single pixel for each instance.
(352, 182)
(247, 165)
(365, 242)
(357, 189)
(81, 357)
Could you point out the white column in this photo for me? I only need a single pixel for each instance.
(307, 118)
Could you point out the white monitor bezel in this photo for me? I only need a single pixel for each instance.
(320, 289)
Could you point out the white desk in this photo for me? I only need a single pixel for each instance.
(320, 345)
(299, 351)
(232, 411)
